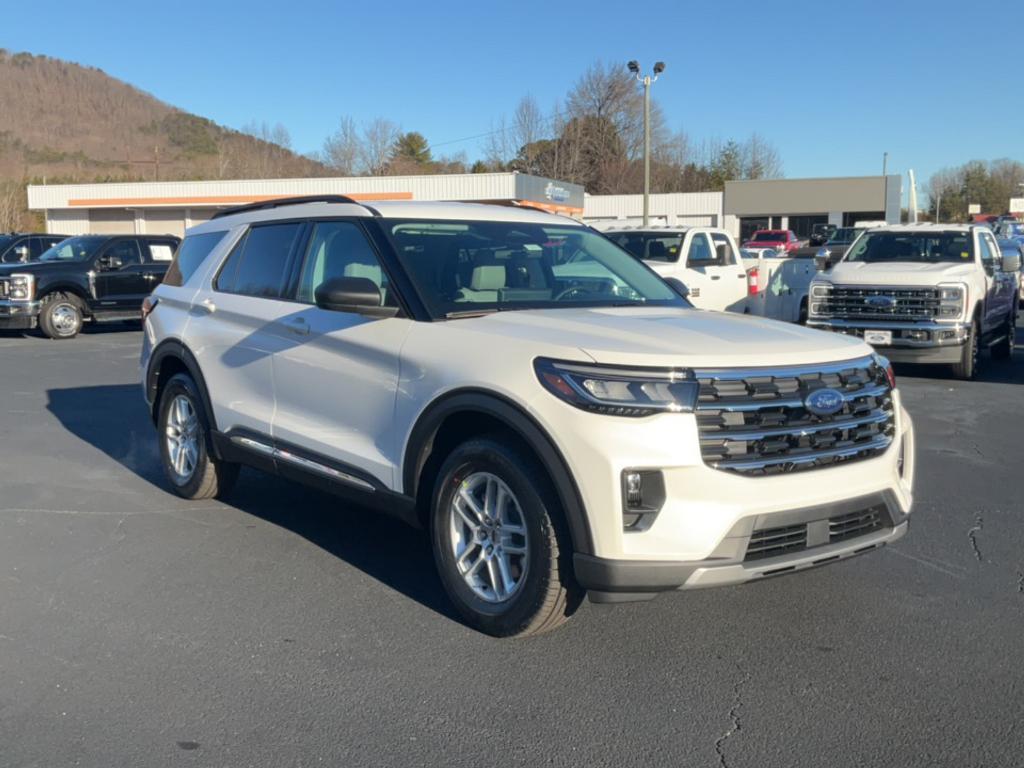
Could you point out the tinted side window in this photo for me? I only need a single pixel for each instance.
(126, 250)
(256, 267)
(339, 249)
(700, 253)
(13, 253)
(984, 250)
(192, 252)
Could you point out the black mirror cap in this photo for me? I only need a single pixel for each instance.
(823, 260)
(678, 286)
(352, 294)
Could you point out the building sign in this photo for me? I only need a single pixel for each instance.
(550, 194)
(555, 193)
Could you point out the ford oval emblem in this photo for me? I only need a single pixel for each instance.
(880, 301)
(824, 402)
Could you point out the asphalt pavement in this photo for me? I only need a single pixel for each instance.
(287, 629)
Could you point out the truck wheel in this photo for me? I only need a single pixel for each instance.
(184, 444)
(60, 316)
(501, 549)
(1003, 350)
(967, 368)
(802, 319)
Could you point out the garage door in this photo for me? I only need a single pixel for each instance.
(111, 221)
(164, 221)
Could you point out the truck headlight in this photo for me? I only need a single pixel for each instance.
(21, 287)
(952, 299)
(817, 306)
(619, 391)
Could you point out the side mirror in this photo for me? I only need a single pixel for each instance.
(678, 286)
(1011, 262)
(823, 260)
(352, 294)
(109, 262)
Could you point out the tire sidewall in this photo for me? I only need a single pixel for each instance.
(181, 384)
(484, 455)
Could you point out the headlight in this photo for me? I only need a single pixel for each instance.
(952, 299)
(821, 290)
(21, 287)
(619, 391)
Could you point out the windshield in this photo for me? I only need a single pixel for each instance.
(843, 236)
(650, 246)
(73, 249)
(927, 247)
(769, 237)
(475, 267)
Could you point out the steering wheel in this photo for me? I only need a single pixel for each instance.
(571, 291)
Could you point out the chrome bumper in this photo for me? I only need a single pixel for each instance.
(18, 314)
(936, 334)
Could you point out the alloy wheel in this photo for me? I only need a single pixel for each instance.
(182, 435)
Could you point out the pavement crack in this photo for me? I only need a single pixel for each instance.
(1020, 582)
(735, 724)
(972, 535)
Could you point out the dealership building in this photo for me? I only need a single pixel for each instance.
(170, 207)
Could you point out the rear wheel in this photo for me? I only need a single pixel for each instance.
(500, 547)
(194, 473)
(1003, 350)
(967, 368)
(60, 316)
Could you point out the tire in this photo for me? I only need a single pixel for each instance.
(541, 592)
(61, 316)
(967, 368)
(1003, 350)
(197, 474)
(802, 317)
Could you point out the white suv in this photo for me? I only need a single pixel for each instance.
(556, 416)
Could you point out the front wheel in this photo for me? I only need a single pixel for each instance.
(499, 541)
(967, 368)
(194, 473)
(60, 316)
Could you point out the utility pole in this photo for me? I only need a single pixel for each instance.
(938, 206)
(647, 80)
(885, 162)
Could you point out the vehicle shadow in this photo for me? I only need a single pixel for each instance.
(114, 419)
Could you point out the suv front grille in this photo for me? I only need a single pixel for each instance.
(854, 524)
(772, 542)
(789, 539)
(756, 422)
(4, 288)
(866, 303)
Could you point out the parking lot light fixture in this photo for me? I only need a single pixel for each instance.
(634, 68)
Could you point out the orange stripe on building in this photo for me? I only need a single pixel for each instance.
(135, 202)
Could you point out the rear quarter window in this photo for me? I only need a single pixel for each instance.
(191, 253)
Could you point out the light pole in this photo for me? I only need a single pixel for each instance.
(885, 162)
(659, 67)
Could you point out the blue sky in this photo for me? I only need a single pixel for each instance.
(833, 85)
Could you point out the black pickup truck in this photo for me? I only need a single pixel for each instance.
(99, 278)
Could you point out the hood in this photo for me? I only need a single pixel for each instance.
(669, 336)
(34, 267)
(899, 272)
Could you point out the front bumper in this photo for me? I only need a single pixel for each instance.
(18, 315)
(924, 342)
(731, 563)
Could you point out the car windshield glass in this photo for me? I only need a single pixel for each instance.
(651, 246)
(73, 249)
(843, 236)
(475, 267)
(768, 237)
(927, 247)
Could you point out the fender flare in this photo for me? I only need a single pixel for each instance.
(64, 287)
(173, 348)
(420, 443)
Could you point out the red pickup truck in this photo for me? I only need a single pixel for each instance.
(779, 239)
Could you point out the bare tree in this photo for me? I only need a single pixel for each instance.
(378, 138)
(11, 206)
(760, 159)
(342, 148)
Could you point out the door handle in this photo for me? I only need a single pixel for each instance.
(206, 306)
(741, 276)
(716, 277)
(298, 326)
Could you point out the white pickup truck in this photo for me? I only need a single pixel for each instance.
(923, 293)
(705, 259)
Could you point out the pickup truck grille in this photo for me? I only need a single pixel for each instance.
(4, 288)
(880, 303)
(756, 422)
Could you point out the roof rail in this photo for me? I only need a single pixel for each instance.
(280, 201)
